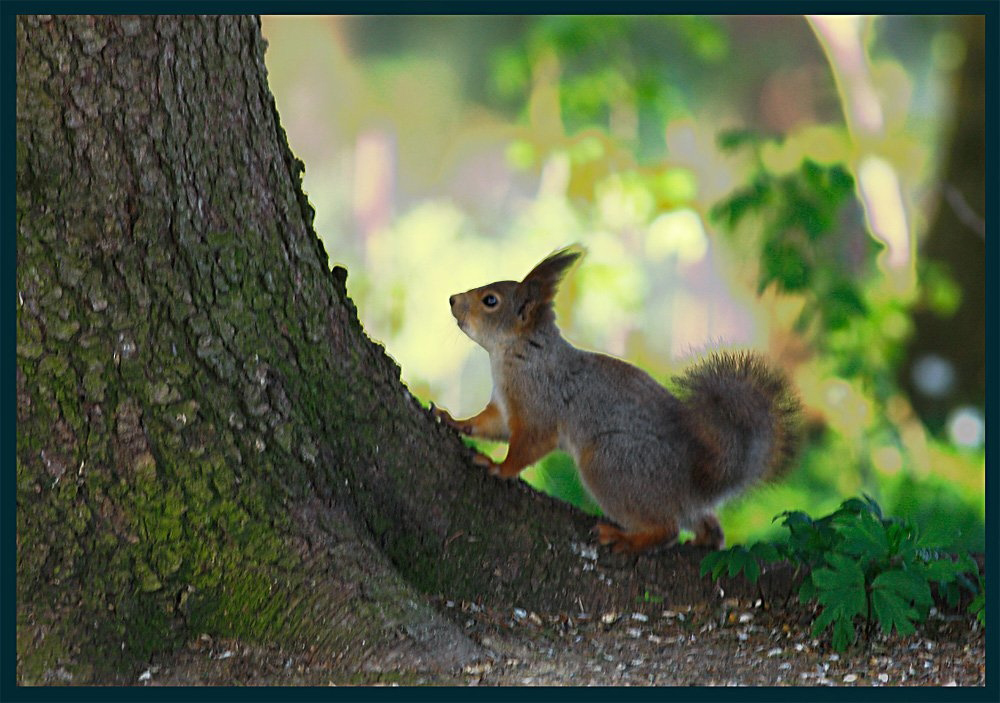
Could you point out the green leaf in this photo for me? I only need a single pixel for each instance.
(968, 564)
(823, 620)
(841, 589)
(844, 574)
(709, 561)
(784, 262)
(807, 590)
(808, 540)
(857, 506)
(735, 562)
(793, 518)
(843, 634)
(942, 570)
(841, 181)
(978, 608)
(733, 139)
(863, 535)
(843, 628)
(952, 593)
(731, 561)
(902, 539)
(906, 584)
(892, 611)
(841, 305)
(766, 552)
(833, 183)
(742, 202)
(937, 535)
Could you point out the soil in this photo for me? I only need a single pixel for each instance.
(736, 643)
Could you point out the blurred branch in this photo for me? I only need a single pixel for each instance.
(963, 211)
(879, 187)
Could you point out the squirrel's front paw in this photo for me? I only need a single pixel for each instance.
(445, 417)
(442, 415)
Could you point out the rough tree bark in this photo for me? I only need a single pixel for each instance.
(207, 441)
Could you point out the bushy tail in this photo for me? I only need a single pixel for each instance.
(746, 415)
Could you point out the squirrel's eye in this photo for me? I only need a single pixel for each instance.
(490, 300)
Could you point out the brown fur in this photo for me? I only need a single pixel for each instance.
(636, 541)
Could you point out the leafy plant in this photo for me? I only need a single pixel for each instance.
(860, 566)
(978, 605)
(799, 219)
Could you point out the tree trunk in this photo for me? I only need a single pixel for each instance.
(207, 441)
(957, 236)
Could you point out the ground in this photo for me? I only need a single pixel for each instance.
(732, 643)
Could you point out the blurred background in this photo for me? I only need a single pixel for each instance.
(812, 187)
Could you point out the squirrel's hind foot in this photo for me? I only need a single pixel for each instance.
(485, 462)
(637, 541)
(708, 533)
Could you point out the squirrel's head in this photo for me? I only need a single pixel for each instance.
(496, 314)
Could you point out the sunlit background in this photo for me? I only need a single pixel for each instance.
(766, 182)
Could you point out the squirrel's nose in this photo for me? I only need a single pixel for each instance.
(451, 300)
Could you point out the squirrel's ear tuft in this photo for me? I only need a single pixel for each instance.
(544, 278)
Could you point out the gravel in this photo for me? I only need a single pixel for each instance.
(733, 644)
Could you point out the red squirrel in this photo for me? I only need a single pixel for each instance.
(654, 461)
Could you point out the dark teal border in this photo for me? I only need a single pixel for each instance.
(8, 505)
(504, 7)
(992, 323)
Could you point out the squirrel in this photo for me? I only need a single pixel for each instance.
(654, 461)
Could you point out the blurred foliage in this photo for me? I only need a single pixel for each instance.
(471, 147)
(802, 247)
(810, 247)
(621, 74)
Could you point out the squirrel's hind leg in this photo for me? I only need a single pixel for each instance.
(637, 540)
(708, 532)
